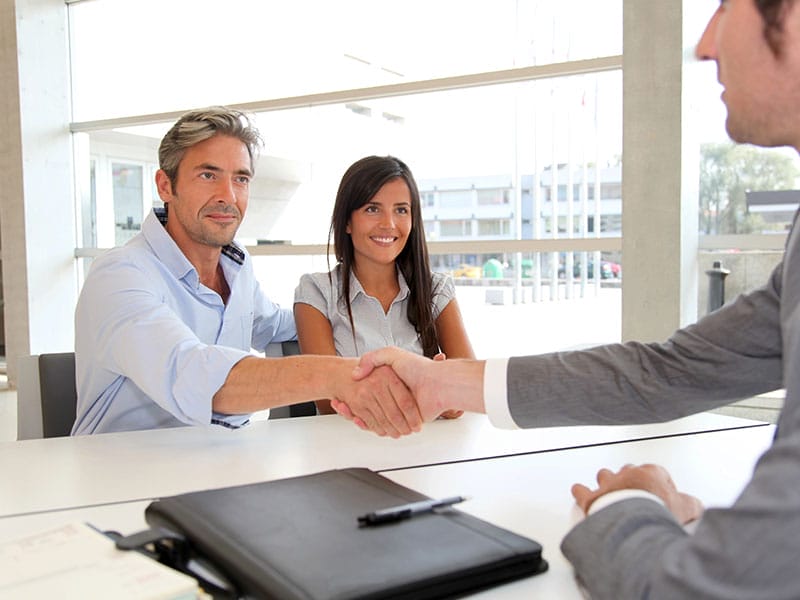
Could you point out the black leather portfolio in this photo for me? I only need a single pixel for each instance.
(301, 538)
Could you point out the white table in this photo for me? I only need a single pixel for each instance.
(530, 494)
(526, 493)
(64, 473)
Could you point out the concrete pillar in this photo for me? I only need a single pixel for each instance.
(660, 170)
(37, 217)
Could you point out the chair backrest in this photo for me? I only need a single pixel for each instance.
(282, 348)
(46, 395)
(59, 393)
(304, 409)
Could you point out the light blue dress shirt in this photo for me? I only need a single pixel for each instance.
(153, 345)
(374, 328)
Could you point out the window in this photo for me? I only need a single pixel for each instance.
(611, 191)
(128, 186)
(494, 227)
(89, 209)
(489, 197)
(455, 228)
(493, 151)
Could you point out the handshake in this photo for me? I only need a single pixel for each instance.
(393, 392)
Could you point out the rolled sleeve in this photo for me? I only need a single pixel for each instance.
(145, 346)
(200, 371)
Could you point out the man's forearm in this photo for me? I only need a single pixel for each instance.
(381, 402)
(258, 383)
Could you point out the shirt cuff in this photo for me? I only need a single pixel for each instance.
(620, 495)
(495, 393)
(610, 498)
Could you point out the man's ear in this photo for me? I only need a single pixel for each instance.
(164, 186)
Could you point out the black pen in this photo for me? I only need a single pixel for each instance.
(406, 511)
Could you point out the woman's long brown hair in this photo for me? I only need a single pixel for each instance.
(359, 185)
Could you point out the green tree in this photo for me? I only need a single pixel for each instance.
(727, 172)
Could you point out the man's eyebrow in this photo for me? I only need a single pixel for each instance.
(207, 167)
(215, 168)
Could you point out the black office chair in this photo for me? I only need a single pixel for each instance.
(59, 394)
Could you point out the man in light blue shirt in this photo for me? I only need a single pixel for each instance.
(165, 324)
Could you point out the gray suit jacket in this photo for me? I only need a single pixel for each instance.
(635, 549)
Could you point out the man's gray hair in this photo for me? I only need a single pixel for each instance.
(199, 125)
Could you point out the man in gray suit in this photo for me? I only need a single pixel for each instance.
(632, 543)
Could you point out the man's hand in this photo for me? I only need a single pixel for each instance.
(651, 478)
(381, 403)
(413, 369)
(437, 386)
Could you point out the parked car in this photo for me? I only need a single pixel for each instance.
(608, 270)
(466, 270)
(615, 269)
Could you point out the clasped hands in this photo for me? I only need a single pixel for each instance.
(407, 390)
(392, 393)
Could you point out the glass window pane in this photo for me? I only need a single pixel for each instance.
(128, 186)
(89, 211)
(491, 301)
(204, 52)
(491, 196)
(458, 228)
(463, 146)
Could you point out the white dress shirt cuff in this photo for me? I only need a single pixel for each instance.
(620, 495)
(495, 395)
(608, 499)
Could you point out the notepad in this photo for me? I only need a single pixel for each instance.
(75, 561)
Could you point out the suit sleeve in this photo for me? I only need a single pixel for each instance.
(732, 353)
(635, 549)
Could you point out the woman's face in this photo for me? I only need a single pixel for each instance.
(381, 227)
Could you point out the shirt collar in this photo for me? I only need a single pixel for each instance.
(168, 252)
(356, 288)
